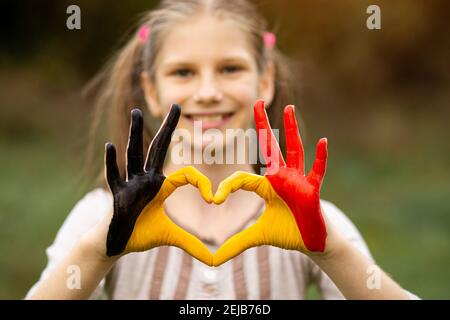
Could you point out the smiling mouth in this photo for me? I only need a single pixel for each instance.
(210, 120)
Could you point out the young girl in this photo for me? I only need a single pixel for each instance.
(214, 58)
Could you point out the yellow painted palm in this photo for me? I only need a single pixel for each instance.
(293, 217)
(154, 228)
(276, 226)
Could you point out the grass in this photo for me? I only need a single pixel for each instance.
(37, 191)
(402, 212)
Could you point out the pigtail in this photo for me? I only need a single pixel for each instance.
(284, 94)
(119, 91)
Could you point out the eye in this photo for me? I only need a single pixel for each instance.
(232, 69)
(182, 72)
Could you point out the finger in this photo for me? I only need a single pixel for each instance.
(158, 148)
(154, 228)
(317, 172)
(238, 180)
(178, 237)
(294, 146)
(267, 141)
(135, 160)
(112, 171)
(188, 175)
(238, 243)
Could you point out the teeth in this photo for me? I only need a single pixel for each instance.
(207, 117)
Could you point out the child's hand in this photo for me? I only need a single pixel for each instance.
(139, 222)
(293, 218)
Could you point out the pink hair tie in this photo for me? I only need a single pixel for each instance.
(143, 33)
(269, 39)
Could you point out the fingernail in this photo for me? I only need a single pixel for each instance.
(289, 112)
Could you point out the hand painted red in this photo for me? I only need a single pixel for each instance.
(301, 193)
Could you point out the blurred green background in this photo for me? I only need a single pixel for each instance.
(380, 96)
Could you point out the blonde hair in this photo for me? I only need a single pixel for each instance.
(119, 83)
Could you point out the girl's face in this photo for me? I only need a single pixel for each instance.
(206, 65)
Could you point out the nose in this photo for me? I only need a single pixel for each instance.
(208, 91)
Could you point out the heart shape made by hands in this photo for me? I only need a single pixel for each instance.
(292, 218)
(276, 226)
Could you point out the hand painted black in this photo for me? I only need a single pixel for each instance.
(141, 186)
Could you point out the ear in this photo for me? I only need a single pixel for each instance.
(267, 84)
(150, 94)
